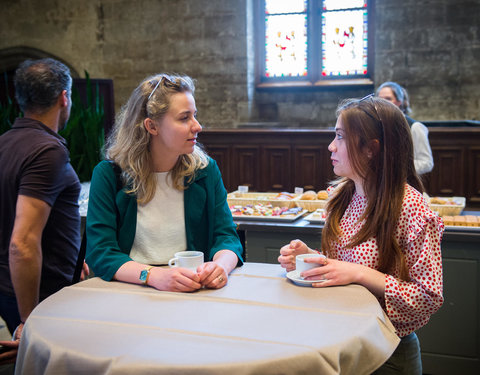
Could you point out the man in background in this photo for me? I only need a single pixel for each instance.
(39, 221)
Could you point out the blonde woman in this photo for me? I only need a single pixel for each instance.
(158, 193)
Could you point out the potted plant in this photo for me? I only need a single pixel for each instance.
(84, 132)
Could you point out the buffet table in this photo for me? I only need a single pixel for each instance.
(259, 323)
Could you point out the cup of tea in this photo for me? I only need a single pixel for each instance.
(187, 259)
(302, 266)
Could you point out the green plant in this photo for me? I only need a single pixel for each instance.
(84, 132)
(8, 111)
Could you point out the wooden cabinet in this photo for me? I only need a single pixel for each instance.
(277, 170)
(456, 154)
(450, 342)
(473, 174)
(282, 159)
(446, 177)
(309, 160)
(271, 160)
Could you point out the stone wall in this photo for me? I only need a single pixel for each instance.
(431, 47)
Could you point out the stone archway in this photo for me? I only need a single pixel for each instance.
(11, 57)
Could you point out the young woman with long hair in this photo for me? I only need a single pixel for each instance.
(379, 231)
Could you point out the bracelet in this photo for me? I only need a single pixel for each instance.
(148, 275)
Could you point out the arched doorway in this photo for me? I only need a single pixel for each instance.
(10, 59)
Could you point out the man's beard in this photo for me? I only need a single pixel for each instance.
(64, 116)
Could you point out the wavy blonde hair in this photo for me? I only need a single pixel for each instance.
(129, 143)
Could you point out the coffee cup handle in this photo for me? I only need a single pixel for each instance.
(173, 262)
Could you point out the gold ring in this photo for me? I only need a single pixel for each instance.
(220, 278)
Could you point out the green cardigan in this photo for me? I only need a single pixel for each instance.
(112, 219)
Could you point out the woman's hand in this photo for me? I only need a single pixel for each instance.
(85, 271)
(176, 279)
(337, 272)
(212, 275)
(334, 272)
(11, 347)
(290, 251)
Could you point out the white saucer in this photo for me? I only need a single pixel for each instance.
(294, 277)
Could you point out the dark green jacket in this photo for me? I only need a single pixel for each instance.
(112, 219)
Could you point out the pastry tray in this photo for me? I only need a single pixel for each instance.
(280, 218)
(463, 228)
(314, 220)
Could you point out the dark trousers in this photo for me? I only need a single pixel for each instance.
(9, 312)
(405, 360)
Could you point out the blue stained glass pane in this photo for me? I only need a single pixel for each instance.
(343, 4)
(344, 43)
(286, 45)
(285, 6)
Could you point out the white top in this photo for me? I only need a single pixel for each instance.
(421, 148)
(160, 225)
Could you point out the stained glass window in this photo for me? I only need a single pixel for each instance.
(344, 38)
(314, 40)
(285, 38)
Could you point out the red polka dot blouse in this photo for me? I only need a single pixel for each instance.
(419, 233)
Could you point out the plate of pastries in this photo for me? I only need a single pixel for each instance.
(266, 211)
(312, 200)
(468, 222)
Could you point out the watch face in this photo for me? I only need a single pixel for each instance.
(143, 275)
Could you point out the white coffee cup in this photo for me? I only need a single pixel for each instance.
(187, 259)
(301, 266)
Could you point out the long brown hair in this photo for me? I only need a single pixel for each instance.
(379, 127)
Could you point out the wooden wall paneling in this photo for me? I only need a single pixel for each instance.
(281, 159)
(305, 172)
(326, 167)
(276, 171)
(473, 175)
(245, 167)
(222, 155)
(312, 168)
(446, 177)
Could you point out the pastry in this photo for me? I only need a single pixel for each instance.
(459, 220)
(448, 220)
(322, 195)
(437, 200)
(309, 195)
(284, 196)
(471, 221)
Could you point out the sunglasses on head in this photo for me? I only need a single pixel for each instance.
(370, 97)
(165, 80)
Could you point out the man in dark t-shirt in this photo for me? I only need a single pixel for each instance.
(40, 221)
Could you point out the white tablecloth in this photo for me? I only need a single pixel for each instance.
(260, 323)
